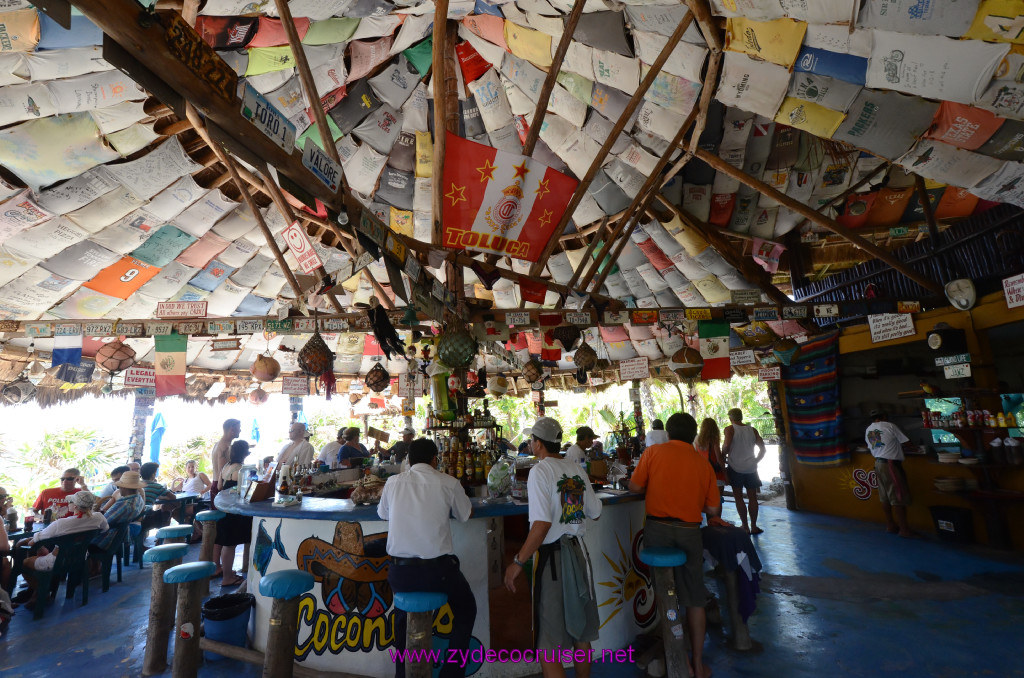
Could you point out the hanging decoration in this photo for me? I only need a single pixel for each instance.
(533, 370)
(567, 336)
(115, 356)
(258, 396)
(687, 363)
(585, 357)
(456, 348)
(384, 331)
(265, 368)
(786, 350)
(497, 386)
(18, 391)
(317, 360)
(378, 378)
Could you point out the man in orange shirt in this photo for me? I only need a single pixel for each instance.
(680, 485)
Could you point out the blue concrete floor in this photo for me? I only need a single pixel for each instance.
(839, 598)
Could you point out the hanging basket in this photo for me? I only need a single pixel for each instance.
(585, 357)
(497, 386)
(265, 368)
(258, 396)
(456, 348)
(315, 358)
(533, 371)
(687, 363)
(19, 391)
(378, 378)
(115, 356)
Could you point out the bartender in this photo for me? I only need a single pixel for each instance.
(401, 448)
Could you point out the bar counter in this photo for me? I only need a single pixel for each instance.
(346, 623)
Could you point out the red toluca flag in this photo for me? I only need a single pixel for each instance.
(500, 202)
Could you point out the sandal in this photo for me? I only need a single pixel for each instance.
(231, 584)
(756, 530)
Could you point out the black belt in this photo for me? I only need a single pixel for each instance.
(419, 561)
(681, 523)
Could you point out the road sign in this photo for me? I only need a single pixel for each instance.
(301, 248)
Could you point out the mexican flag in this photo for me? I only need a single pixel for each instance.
(170, 364)
(714, 349)
(500, 202)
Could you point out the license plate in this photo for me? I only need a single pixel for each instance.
(257, 110)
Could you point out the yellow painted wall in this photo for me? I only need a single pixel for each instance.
(835, 490)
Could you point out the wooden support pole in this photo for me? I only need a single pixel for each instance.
(306, 78)
(929, 213)
(643, 197)
(188, 618)
(672, 622)
(839, 199)
(284, 624)
(613, 136)
(161, 619)
(803, 210)
(549, 82)
(702, 12)
(244, 654)
(206, 549)
(419, 631)
(440, 113)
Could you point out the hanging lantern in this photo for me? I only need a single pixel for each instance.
(687, 363)
(115, 356)
(258, 396)
(456, 348)
(533, 371)
(378, 378)
(315, 358)
(585, 357)
(265, 368)
(786, 350)
(497, 386)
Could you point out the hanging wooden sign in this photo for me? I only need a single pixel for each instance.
(769, 374)
(737, 358)
(296, 386)
(634, 368)
(231, 344)
(301, 248)
(698, 313)
(745, 297)
(889, 326)
(140, 377)
(181, 309)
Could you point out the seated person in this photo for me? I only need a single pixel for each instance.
(82, 519)
(5, 542)
(127, 508)
(111, 487)
(57, 499)
(329, 452)
(352, 449)
(157, 497)
(401, 448)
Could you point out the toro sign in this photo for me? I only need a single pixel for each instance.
(301, 248)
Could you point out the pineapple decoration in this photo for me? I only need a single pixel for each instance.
(114, 357)
(456, 348)
(317, 361)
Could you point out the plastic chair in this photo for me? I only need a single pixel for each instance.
(70, 564)
(285, 587)
(419, 605)
(670, 617)
(106, 557)
(188, 617)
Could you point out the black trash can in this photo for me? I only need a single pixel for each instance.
(226, 619)
(954, 523)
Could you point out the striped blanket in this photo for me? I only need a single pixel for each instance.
(812, 399)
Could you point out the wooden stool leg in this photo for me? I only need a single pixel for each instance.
(284, 625)
(206, 549)
(161, 620)
(187, 655)
(419, 636)
(672, 621)
(741, 639)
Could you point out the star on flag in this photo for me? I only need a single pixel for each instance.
(487, 171)
(542, 189)
(457, 194)
(521, 170)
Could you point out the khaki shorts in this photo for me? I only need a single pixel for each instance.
(892, 482)
(689, 577)
(550, 612)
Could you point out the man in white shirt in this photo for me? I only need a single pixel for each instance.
(585, 438)
(657, 435)
(421, 500)
(329, 453)
(297, 450)
(738, 447)
(561, 499)
(885, 442)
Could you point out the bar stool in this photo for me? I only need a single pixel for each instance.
(285, 587)
(174, 534)
(209, 521)
(419, 629)
(161, 606)
(188, 616)
(670, 617)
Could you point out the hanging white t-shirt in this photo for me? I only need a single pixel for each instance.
(885, 440)
(561, 493)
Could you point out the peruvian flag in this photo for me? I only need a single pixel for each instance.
(170, 363)
(714, 348)
(499, 202)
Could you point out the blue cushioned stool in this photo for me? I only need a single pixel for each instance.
(285, 587)
(419, 605)
(208, 519)
(671, 618)
(188, 617)
(161, 606)
(174, 534)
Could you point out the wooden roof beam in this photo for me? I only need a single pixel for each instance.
(606, 148)
(816, 217)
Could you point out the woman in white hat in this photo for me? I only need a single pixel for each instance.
(82, 519)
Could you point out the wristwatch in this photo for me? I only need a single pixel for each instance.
(515, 559)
